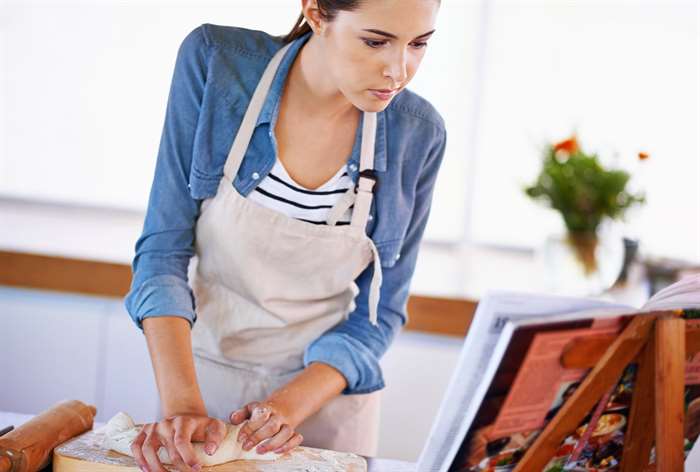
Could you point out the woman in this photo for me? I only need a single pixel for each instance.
(269, 293)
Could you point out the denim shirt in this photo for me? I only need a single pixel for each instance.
(216, 71)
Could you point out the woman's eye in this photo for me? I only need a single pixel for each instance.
(378, 43)
(374, 44)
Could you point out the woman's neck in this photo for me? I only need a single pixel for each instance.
(310, 90)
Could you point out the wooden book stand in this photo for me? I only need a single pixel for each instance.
(660, 343)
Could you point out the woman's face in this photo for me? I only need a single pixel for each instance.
(379, 46)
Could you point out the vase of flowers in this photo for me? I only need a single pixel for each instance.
(587, 196)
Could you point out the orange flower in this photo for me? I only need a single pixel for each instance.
(569, 146)
(643, 156)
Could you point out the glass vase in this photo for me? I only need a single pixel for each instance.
(582, 264)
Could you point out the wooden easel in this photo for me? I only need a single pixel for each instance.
(660, 343)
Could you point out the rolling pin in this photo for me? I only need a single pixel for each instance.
(28, 447)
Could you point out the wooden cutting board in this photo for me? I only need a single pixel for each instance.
(84, 454)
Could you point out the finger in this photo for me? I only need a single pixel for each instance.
(136, 446)
(215, 434)
(239, 416)
(150, 452)
(293, 442)
(253, 424)
(258, 418)
(175, 458)
(267, 430)
(285, 434)
(182, 441)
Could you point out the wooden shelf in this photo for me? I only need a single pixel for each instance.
(434, 315)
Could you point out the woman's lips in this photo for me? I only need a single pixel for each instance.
(384, 94)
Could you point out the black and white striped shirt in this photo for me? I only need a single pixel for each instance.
(280, 192)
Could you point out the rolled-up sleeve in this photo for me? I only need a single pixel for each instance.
(162, 253)
(354, 347)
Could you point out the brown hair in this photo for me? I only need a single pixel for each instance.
(328, 9)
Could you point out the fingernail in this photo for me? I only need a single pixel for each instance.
(261, 450)
(248, 445)
(197, 467)
(210, 448)
(144, 468)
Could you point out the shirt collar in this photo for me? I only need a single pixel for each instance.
(268, 113)
(271, 106)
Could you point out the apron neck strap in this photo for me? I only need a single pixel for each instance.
(245, 132)
(247, 127)
(369, 132)
(366, 179)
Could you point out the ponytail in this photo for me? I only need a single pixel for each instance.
(301, 27)
(328, 10)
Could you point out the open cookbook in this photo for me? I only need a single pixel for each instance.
(509, 382)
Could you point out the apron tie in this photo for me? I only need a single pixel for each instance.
(375, 285)
(336, 213)
(343, 205)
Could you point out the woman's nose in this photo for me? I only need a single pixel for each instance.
(397, 68)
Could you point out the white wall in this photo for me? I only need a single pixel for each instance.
(625, 75)
(83, 87)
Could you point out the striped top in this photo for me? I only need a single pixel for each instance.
(280, 192)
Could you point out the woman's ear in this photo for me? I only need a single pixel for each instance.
(313, 15)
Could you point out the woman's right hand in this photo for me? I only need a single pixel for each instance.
(176, 434)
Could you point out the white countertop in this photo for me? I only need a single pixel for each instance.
(103, 234)
(374, 464)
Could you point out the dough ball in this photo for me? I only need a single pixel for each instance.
(121, 431)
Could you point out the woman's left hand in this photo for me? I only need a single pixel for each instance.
(266, 421)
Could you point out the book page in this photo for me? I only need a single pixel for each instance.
(497, 316)
(481, 354)
(684, 294)
(529, 389)
(542, 383)
(506, 423)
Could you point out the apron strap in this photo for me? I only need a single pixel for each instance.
(366, 179)
(361, 195)
(375, 285)
(373, 300)
(245, 132)
(341, 207)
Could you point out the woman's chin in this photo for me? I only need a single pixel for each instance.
(371, 103)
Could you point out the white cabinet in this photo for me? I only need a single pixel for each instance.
(56, 346)
(129, 383)
(417, 369)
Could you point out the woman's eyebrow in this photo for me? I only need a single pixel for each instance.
(393, 36)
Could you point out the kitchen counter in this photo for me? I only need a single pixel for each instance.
(374, 464)
(107, 236)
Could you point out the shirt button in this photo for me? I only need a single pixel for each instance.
(398, 256)
(353, 167)
(255, 176)
(370, 217)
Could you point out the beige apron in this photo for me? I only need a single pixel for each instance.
(267, 285)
